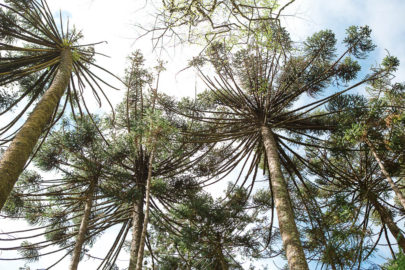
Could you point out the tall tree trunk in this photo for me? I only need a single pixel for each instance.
(83, 226)
(137, 225)
(147, 206)
(17, 154)
(224, 264)
(288, 228)
(394, 187)
(386, 218)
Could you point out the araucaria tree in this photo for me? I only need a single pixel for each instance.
(252, 104)
(70, 211)
(308, 183)
(211, 234)
(34, 48)
(148, 153)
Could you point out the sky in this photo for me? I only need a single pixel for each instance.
(114, 22)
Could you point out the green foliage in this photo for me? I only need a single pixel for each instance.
(209, 232)
(395, 264)
(355, 133)
(204, 22)
(321, 45)
(7, 97)
(358, 41)
(29, 181)
(13, 205)
(348, 69)
(29, 251)
(260, 74)
(30, 52)
(390, 62)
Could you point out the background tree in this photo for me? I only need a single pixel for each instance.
(209, 233)
(72, 210)
(350, 185)
(203, 22)
(382, 129)
(356, 204)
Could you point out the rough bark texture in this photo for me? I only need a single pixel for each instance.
(83, 227)
(386, 218)
(17, 154)
(224, 264)
(288, 229)
(394, 187)
(146, 218)
(137, 225)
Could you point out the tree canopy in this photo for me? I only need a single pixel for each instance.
(307, 136)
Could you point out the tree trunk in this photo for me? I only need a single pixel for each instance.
(288, 229)
(146, 218)
(20, 149)
(394, 187)
(224, 264)
(83, 227)
(386, 218)
(137, 225)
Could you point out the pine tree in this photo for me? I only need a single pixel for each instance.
(151, 158)
(209, 233)
(72, 209)
(252, 98)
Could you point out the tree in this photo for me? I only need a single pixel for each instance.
(355, 202)
(209, 233)
(380, 125)
(49, 56)
(151, 158)
(72, 210)
(387, 134)
(113, 160)
(204, 22)
(252, 99)
(349, 182)
(395, 264)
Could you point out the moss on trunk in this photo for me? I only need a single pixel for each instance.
(14, 159)
(288, 228)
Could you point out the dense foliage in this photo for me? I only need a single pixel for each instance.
(307, 183)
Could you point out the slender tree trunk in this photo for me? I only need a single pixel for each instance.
(224, 264)
(147, 206)
(137, 225)
(288, 229)
(83, 226)
(394, 187)
(386, 218)
(17, 154)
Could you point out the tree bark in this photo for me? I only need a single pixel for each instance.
(137, 225)
(146, 218)
(17, 154)
(394, 187)
(224, 264)
(83, 226)
(288, 229)
(386, 218)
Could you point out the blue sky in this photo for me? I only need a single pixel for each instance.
(114, 23)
